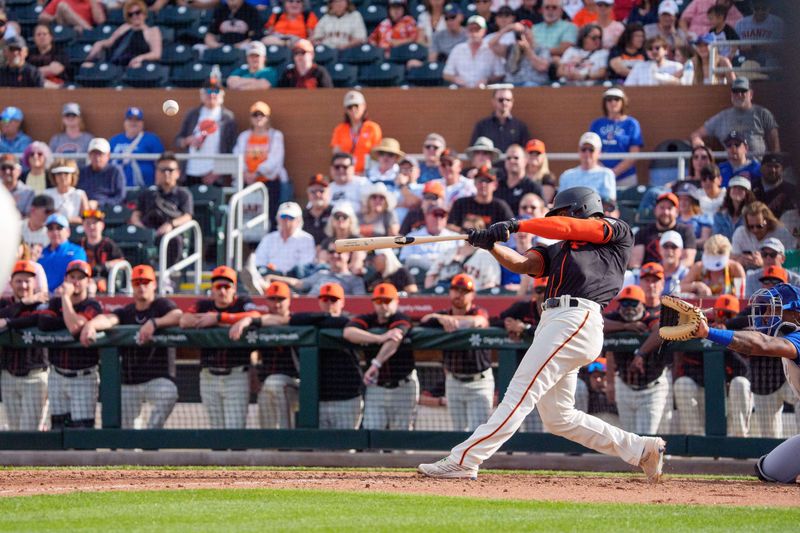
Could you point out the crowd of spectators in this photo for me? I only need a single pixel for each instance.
(524, 43)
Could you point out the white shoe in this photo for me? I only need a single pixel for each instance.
(447, 468)
(652, 461)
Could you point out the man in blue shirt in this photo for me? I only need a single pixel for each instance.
(60, 252)
(590, 173)
(738, 164)
(134, 140)
(102, 181)
(12, 139)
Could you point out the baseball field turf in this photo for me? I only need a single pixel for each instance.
(390, 500)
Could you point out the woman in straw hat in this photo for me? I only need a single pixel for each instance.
(387, 154)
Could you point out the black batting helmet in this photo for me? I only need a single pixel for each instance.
(580, 202)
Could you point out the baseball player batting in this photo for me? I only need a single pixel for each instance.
(585, 271)
(775, 323)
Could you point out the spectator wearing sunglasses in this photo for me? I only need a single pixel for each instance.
(10, 172)
(224, 377)
(620, 133)
(422, 256)
(514, 184)
(671, 244)
(444, 40)
(738, 163)
(773, 254)
(304, 73)
(658, 70)
(103, 182)
(711, 194)
(744, 116)
(729, 217)
(288, 247)
(773, 190)
(483, 205)
(135, 140)
(667, 28)
(133, 43)
(590, 173)
(717, 273)
(586, 63)
(554, 32)
(759, 224)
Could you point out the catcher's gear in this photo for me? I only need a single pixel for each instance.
(480, 239)
(680, 320)
(767, 307)
(577, 202)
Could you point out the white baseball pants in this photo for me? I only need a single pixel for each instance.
(640, 411)
(392, 408)
(469, 404)
(226, 398)
(76, 396)
(24, 399)
(690, 399)
(160, 393)
(278, 401)
(565, 339)
(341, 414)
(767, 420)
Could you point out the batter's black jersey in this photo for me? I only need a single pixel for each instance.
(53, 319)
(401, 364)
(463, 361)
(224, 357)
(654, 363)
(20, 361)
(588, 270)
(340, 375)
(140, 364)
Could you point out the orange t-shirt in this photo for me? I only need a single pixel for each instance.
(82, 8)
(256, 151)
(584, 17)
(358, 146)
(298, 25)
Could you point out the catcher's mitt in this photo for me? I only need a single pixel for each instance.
(679, 320)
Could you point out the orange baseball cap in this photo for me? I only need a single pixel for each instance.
(631, 292)
(224, 272)
(278, 289)
(668, 196)
(462, 281)
(332, 290)
(775, 272)
(93, 213)
(24, 267)
(385, 290)
(535, 145)
(319, 180)
(652, 269)
(540, 282)
(143, 272)
(81, 266)
(434, 187)
(726, 302)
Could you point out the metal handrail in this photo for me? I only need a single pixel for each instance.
(237, 226)
(116, 269)
(713, 70)
(195, 258)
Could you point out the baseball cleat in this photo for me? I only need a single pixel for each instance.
(447, 469)
(652, 461)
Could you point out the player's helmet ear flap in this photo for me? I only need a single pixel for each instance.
(578, 202)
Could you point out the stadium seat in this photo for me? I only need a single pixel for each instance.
(631, 196)
(206, 16)
(373, 14)
(224, 55)
(13, 5)
(117, 216)
(382, 75)
(209, 204)
(663, 171)
(407, 52)
(149, 75)
(365, 54)
(428, 75)
(27, 15)
(63, 35)
(137, 244)
(115, 17)
(193, 34)
(190, 75)
(324, 55)
(176, 16)
(167, 34)
(343, 75)
(277, 55)
(97, 33)
(77, 52)
(98, 75)
(177, 54)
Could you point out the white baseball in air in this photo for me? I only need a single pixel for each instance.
(170, 107)
(9, 237)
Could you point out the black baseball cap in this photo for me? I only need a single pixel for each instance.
(45, 201)
(772, 157)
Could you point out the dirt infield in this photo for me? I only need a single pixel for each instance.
(574, 488)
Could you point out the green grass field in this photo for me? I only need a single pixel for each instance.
(297, 510)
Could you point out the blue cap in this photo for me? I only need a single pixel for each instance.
(57, 218)
(708, 38)
(452, 9)
(135, 113)
(11, 113)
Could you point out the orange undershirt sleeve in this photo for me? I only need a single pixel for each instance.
(591, 230)
(232, 318)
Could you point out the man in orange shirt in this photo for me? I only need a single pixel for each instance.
(289, 24)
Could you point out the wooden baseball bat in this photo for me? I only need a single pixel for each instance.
(376, 243)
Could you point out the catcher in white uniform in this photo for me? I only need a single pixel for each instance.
(585, 271)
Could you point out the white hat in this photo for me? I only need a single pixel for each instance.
(353, 98)
(614, 92)
(290, 209)
(98, 144)
(668, 6)
(257, 48)
(477, 19)
(592, 138)
(773, 243)
(63, 170)
(671, 236)
(741, 181)
(379, 189)
(715, 263)
(345, 207)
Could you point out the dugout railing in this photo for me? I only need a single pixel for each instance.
(306, 340)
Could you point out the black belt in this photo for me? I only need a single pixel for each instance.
(74, 374)
(224, 371)
(551, 303)
(394, 384)
(469, 378)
